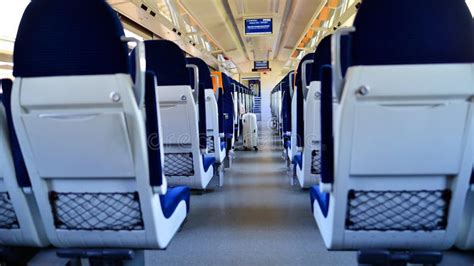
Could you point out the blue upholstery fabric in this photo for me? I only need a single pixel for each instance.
(228, 105)
(167, 60)
(286, 104)
(204, 73)
(207, 161)
(322, 198)
(205, 82)
(220, 108)
(298, 160)
(420, 32)
(202, 117)
(287, 144)
(327, 135)
(300, 100)
(172, 198)
(223, 144)
(54, 39)
(152, 131)
(21, 172)
(322, 56)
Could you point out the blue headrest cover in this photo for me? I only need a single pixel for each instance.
(322, 56)
(412, 32)
(62, 38)
(204, 73)
(300, 69)
(168, 62)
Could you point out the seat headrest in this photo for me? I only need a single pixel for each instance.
(322, 56)
(168, 61)
(227, 84)
(62, 38)
(412, 32)
(204, 72)
(300, 69)
(285, 84)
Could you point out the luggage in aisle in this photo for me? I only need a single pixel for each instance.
(250, 131)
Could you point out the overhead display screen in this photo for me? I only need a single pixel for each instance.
(258, 26)
(261, 65)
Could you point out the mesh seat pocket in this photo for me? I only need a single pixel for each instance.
(97, 211)
(397, 210)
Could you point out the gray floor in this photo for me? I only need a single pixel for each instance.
(256, 219)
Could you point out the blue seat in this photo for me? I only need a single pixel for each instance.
(321, 198)
(303, 143)
(208, 118)
(394, 72)
(228, 108)
(83, 90)
(208, 161)
(298, 159)
(185, 139)
(223, 145)
(287, 144)
(173, 197)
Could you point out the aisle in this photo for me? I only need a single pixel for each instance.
(256, 219)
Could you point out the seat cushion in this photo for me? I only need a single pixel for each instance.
(322, 199)
(298, 159)
(170, 201)
(207, 161)
(223, 145)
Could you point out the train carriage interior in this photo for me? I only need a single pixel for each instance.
(237, 132)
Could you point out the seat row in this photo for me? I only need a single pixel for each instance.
(102, 145)
(378, 124)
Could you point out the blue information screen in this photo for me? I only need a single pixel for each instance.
(261, 65)
(258, 26)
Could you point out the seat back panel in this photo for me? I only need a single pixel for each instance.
(106, 152)
(400, 130)
(179, 114)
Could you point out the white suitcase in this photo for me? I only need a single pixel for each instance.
(250, 131)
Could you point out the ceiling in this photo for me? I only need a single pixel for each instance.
(223, 20)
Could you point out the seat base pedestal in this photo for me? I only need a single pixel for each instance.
(219, 173)
(103, 257)
(398, 258)
(16, 255)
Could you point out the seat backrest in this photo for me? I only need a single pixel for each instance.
(321, 57)
(205, 83)
(81, 130)
(286, 104)
(228, 109)
(218, 89)
(300, 87)
(405, 92)
(20, 224)
(210, 103)
(177, 109)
